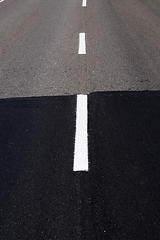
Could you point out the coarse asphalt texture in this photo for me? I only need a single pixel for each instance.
(39, 47)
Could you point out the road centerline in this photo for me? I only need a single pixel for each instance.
(81, 136)
(82, 44)
(84, 3)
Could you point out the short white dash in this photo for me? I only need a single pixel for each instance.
(1, 1)
(82, 44)
(81, 136)
(84, 3)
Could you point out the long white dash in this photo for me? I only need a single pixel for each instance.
(82, 44)
(81, 136)
(84, 3)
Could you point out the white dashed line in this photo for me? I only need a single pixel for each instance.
(1, 1)
(81, 136)
(82, 44)
(84, 3)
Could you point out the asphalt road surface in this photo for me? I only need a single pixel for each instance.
(43, 198)
(41, 73)
(39, 46)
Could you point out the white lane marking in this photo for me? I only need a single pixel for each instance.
(81, 136)
(1, 1)
(82, 44)
(84, 3)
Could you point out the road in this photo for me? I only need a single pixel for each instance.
(41, 74)
(43, 198)
(39, 47)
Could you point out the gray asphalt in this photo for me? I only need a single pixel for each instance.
(39, 47)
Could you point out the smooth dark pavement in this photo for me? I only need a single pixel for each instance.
(41, 196)
(124, 148)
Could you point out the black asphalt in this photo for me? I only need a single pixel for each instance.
(41, 196)
(124, 148)
(37, 182)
